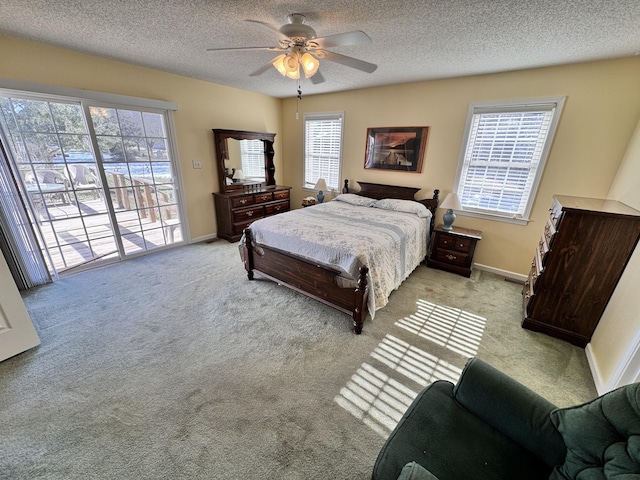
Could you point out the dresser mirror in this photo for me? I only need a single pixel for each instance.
(244, 159)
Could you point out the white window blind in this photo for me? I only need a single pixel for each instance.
(506, 147)
(322, 149)
(252, 158)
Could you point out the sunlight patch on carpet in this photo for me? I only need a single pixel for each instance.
(375, 398)
(414, 363)
(379, 400)
(452, 328)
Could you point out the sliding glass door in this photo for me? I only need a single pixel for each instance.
(99, 181)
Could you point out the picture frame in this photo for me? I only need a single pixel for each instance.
(396, 148)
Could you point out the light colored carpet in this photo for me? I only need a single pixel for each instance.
(175, 366)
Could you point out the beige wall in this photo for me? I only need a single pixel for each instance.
(617, 332)
(600, 114)
(201, 107)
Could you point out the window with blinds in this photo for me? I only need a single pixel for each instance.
(252, 158)
(323, 149)
(505, 148)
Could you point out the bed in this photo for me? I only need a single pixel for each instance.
(350, 253)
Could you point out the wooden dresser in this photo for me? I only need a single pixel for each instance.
(580, 257)
(236, 210)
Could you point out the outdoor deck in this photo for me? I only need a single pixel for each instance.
(77, 228)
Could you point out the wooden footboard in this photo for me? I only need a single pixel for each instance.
(309, 278)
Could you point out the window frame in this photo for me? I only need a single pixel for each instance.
(552, 104)
(309, 117)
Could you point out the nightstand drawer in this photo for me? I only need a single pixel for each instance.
(276, 207)
(452, 257)
(248, 214)
(449, 242)
(243, 201)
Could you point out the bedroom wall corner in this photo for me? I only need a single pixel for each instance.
(613, 351)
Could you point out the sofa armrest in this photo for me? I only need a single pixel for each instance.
(511, 408)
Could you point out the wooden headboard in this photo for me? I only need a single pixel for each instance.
(379, 191)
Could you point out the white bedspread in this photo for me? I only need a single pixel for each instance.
(392, 244)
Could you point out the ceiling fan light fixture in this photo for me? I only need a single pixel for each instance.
(310, 64)
(278, 63)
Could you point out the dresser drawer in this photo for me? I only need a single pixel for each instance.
(263, 197)
(276, 207)
(281, 194)
(238, 228)
(555, 213)
(243, 201)
(449, 242)
(452, 257)
(248, 214)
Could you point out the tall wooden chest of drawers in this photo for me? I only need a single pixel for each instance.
(580, 257)
(236, 210)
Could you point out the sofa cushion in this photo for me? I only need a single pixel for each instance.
(452, 443)
(512, 408)
(602, 437)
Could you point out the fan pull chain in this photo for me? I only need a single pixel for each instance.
(298, 101)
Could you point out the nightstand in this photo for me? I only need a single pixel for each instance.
(452, 250)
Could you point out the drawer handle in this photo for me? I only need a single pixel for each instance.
(250, 213)
(264, 197)
(278, 208)
(451, 257)
(461, 245)
(243, 201)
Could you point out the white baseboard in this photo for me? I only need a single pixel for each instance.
(204, 238)
(601, 388)
(516, 277)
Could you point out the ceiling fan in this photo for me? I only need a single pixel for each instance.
(301, 49)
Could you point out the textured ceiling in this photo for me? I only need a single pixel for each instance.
(411, 40)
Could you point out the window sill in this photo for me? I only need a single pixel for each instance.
(497, 218)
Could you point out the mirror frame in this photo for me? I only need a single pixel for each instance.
(221, 136)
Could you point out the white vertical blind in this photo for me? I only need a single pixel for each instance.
(18, 243)
(322, 149)
(504, 156)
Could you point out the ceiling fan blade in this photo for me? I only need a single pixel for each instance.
(348, 61)
(262, 69)
(317, 78)
(270, 28)
(356, 37)
(231, 49)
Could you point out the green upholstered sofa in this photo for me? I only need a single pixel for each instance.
(489, 426)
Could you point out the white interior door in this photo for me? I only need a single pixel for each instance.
(17, 333)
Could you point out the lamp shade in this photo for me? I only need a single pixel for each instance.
(451, 202)
(278, 62)
(238, 175)
(321, 185)
(309, 64)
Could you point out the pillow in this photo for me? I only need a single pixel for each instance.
(415, 471)
(407, 206)
(602, 437)
(354, 199)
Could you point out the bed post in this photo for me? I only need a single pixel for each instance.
(248, 253)
(361, 295)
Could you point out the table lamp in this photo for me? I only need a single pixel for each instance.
(321, 186)
(238, 175)
(451, 203)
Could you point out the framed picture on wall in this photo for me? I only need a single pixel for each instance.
(396, 148)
